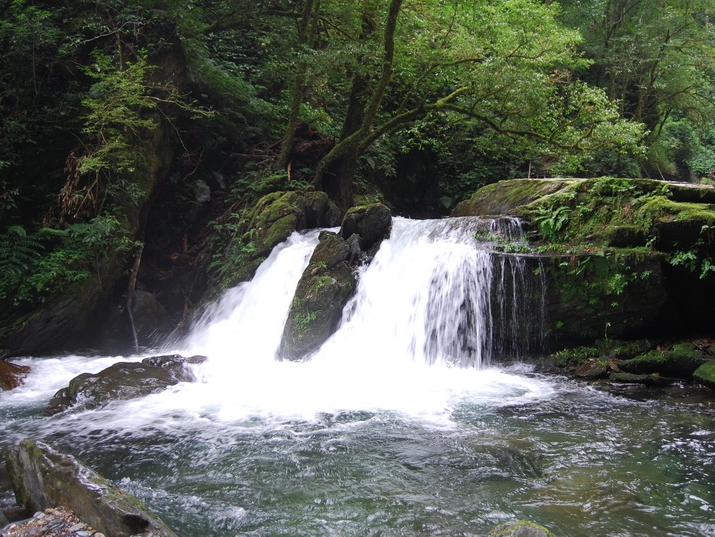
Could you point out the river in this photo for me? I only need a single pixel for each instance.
(405, 423)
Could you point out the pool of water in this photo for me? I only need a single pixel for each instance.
(579, 460)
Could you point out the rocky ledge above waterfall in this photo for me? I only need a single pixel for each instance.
(623, 258)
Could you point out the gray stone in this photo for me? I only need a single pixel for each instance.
(43, 478)
(122, 381)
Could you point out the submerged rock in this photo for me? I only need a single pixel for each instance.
(520, 528)
(43, 478)
(123, 380)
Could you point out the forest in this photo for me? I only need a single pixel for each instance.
(136, 137)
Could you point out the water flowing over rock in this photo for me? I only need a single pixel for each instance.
(43, 477)
(624, 258)
(123, 380)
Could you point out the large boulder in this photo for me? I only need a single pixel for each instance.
(122, 381)
(326, 285)
(680, 362)
(43, 478)
(371, 223)
(274, 217)
(705, 374)
(620, 258)
(329, 280)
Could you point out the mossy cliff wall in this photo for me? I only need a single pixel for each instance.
(622, 257)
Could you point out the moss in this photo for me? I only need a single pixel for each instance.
(505, 197)
(705, 374)
(679, 362)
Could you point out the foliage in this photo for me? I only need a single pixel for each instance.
(34, 266)
(698, 258)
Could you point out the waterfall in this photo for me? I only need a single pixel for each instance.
(433, 294)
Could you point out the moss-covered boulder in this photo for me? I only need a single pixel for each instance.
(705, 374)
(43, 477)
(371, 223)
(506, 197)
(520, 528)
(680, 362)
(274, 217)
(329, 280)
(324, 288)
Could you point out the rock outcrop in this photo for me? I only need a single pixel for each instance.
(329, 281)
(123, 380)
(623, 258)
(43, 478)
(274, 217)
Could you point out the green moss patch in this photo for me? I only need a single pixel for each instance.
(680, 362)
(705, 374)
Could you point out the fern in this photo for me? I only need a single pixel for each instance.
(19, 254)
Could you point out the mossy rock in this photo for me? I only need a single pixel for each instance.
(520, 528)
(705, 374)
(653, 381)
(43, 477)
(680, 362)
(505, 197)
(372, 223)
(324, 289)
(279, 214)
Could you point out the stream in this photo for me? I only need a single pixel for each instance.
(406, 423)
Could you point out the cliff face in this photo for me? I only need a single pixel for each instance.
(622, 257)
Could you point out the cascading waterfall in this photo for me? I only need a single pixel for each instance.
(433, 294)
(398, 425)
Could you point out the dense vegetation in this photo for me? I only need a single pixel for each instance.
(144, 131)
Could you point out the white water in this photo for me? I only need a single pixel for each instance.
(421, 309)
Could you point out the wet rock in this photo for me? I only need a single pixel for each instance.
(680, 362)
(11, 375)
(271, 221)
(592, 371)
(372, 223)
(705, 374)
(326, 285)
(60, 522)
(329, 280)
(123, 380)
(520, 528)
(45, 478)
(655, 381)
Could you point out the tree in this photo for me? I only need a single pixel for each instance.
(503, 65)
(655, 59)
